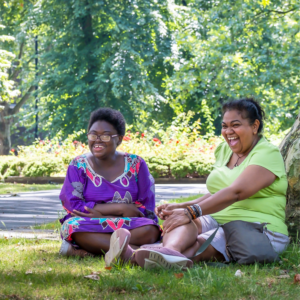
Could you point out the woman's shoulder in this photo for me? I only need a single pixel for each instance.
(267, 155)
(79, 158)
(132, 157)
(264, 147)
(222, 150)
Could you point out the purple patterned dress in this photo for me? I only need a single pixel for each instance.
(84, 187)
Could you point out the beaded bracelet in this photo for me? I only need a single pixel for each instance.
(199, 209)
(195, 211)
(192, 212)
(188, 214)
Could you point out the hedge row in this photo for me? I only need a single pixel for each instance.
(160, 167)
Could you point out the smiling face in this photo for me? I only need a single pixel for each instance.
(101, 149)
(238, 133)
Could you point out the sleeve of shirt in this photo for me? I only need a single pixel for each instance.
(219, 154)
(146, 191)
(71, 194)
(269, 157)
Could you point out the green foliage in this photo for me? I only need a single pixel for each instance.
(152, 60)
(7, 89)
(100, 53)
(42, 168)
(233, 49)
(34, 167)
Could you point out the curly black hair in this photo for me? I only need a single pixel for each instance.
(249, 108)
(109, 115)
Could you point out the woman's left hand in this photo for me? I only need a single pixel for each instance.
(174, 218)
(93, 213)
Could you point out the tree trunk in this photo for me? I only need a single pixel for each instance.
(5, 123)
(290, 150)
(6, 118)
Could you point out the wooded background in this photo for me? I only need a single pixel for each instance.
(151, 59)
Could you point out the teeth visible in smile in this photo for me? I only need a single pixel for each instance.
(96, 146)
(232, 138)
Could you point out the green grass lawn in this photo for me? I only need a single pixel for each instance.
(20, 187)
(32, 269)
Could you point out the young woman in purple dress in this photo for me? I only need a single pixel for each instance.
(109, 195)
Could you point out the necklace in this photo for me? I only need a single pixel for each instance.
(236, 164)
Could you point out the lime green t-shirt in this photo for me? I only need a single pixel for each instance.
(267, 205)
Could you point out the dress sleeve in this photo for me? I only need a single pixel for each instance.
(71, 194)
(146, 191)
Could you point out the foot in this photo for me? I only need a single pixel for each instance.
(161, 257)
(67, 249)
(119, 247)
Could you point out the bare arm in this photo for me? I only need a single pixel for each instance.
(111, 210)
(171, 206)
(253, 179)
(196, 201)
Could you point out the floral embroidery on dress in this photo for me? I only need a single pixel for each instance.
(113, 223)
(132, 167)
(78, 190)
(69, 226)
(118, 199)
(81, 162)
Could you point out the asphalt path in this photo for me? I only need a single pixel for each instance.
(33, 208)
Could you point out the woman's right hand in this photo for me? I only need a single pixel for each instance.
(131, 211)
(168, 206)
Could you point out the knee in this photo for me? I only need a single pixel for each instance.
(201, 240)
(150, 233)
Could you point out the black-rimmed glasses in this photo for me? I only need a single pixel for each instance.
(102, 137)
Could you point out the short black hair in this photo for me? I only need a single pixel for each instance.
(250, 107)
(111, 116)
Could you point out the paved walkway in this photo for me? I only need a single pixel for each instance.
(32, 208)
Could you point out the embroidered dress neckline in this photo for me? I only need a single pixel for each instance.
(96, 174)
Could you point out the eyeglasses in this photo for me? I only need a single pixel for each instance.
(102, 137)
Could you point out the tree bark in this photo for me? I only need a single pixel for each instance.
(290, 150)
(6, 118)
(5, 123)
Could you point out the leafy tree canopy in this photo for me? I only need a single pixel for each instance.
(101, 53)
(233, 49)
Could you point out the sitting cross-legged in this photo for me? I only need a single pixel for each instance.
(104, 191)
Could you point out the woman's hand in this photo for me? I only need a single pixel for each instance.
(124, 210)
(131, 211)
(93, 213)
(174, 218)
(159, 210)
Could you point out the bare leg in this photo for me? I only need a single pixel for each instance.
(181, 238)
(96, 243)
(92, 242)
(209, 254)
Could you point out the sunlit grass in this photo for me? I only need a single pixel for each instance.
(54, 277)
(22, 187)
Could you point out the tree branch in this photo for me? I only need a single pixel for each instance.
(21, 50)
(17, 71)
(282, 12)
(23, 100)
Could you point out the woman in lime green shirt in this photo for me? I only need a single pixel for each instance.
(248, 183)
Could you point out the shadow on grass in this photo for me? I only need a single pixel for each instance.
(56, 277)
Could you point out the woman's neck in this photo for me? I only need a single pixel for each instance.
(105, 162)
(253, 144)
